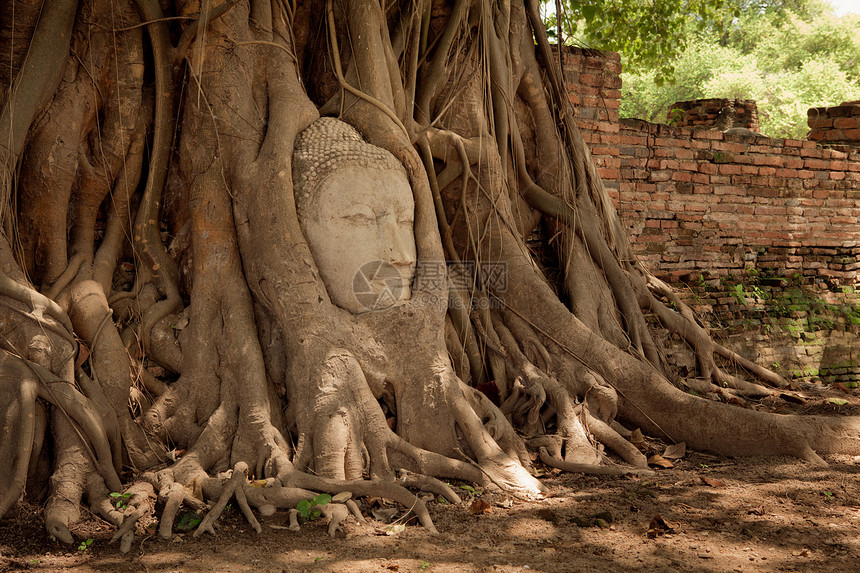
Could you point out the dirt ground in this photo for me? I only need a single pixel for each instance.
(707, 513)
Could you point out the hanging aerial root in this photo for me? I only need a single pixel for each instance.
(683, 322)
(18, 448)
(80, 411)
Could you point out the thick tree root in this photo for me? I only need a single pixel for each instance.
(555, 462)
(139, 504)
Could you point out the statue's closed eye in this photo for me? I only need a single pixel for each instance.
(360, 214)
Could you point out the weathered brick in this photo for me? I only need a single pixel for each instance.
(767, 160)
(846, 123)
(660, 175)
(781, 172)
(609, 174)
(815, 164)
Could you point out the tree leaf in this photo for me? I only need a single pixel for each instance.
(659, 526)
(636, 438)
(712, 482)
(675, 451)
(479, 507)
(588, 12)
(188, 521)
(660, 462)
(838, 401)
(83, 354)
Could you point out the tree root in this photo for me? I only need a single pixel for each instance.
(139, 504)
(590, 469)
(236, 481)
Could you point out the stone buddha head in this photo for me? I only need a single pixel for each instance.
(356, 210)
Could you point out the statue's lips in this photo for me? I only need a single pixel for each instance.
(391, 283)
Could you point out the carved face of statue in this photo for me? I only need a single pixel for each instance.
(357, 217)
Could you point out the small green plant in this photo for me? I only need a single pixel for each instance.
(424, 565)
(85, 544)
(828, 494)
(120, 500)
(307, 507)
(675, 116)
(739, 294)
(723, 157)
(188, 521)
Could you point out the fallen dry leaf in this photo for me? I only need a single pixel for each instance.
(675, 451)
(637, 439)
(659, 526)
(794, 399)
(660, 462)
(479, 507)
(83, 354)
(712, 482)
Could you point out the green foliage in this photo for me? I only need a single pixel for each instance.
(644, 97)
(85, 544)
(188, 521)
(120, 500)
(307, 508)
(675, 116)
(721, 157)
(787, 55)
(649, 34)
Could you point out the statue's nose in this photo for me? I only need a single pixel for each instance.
(398, 243)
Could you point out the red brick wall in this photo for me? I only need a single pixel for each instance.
(732, 214)
(706, 113)
(835, 125)
(701, 200)
(698, 200)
